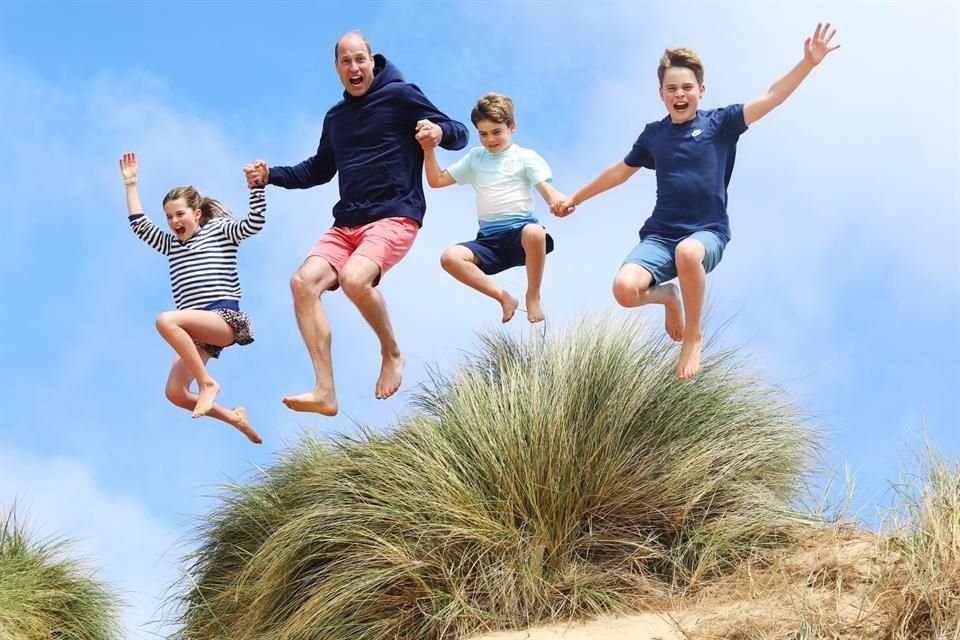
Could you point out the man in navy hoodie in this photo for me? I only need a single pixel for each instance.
(372, 139)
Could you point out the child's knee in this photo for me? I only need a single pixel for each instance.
(533, 233)
(627, 288)
(166, 322)
(689, 253)
(177, 395)
(449, 258)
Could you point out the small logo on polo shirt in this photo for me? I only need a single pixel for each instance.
(696, 132)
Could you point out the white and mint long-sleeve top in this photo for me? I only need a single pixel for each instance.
(203, 270)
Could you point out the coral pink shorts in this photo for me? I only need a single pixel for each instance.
(385, 242)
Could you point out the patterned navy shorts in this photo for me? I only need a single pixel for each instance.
(241, 326)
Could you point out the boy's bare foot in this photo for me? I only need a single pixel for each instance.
(243, 426)
(509, 304)
(208, 395)
(391, 374)
(673, 312)
(689, 363)
(316, 401)
(534, 310)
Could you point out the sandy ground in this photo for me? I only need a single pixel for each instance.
(648, 626)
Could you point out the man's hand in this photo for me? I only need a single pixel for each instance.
(429, 134)
(258, 173)
(815, 49)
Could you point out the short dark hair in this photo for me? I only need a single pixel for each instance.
(336, 46)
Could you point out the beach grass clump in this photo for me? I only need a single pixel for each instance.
(546, 478)
(47, 595)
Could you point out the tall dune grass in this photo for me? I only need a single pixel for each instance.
(542, 479)
(920, 592)
(44, 595)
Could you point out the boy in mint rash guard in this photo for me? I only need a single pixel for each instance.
(692, 152)
(503, 175)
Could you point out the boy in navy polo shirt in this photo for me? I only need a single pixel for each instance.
(504, 175)
(692, 153)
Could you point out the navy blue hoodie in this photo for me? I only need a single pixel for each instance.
(370, 141)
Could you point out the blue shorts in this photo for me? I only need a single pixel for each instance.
(501, 251)
(656, 254)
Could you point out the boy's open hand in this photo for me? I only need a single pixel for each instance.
(815, 49)
(128, 166)
(429, 134)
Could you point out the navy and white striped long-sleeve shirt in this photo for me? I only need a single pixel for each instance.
(203, 270)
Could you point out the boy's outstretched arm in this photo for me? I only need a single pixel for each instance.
(436, 177)
(613, 176)
(815, 49)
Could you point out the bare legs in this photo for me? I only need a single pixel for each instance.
(460, 262)
(534, 241)
(356, 279)
(633, 287)
(180, 329)
(178, 392)
(307, 285)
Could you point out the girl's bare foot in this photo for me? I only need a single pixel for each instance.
(689, 363)
(243, 426)
(316, 401)
(208, 395)
(391, 374)
(673, 312)
(509, 304)
(534, 310)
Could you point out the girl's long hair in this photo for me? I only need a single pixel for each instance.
(210, 208)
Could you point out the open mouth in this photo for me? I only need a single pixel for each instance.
(356, 81)
(680, 107)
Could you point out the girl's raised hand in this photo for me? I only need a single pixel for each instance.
(128, 166)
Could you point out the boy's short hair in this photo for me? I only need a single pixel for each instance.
(681, 57)
(494, 107)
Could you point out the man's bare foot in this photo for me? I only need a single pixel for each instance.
(509, 304)
(208, 395)
(673, 312)
(391, 374)
(316, 401)
(689, 363)
(243, 426)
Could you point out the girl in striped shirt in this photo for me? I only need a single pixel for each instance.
(202, 253)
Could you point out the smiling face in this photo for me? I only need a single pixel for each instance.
(681, 93)
(495, 136)
(183, 221)
(354, 64)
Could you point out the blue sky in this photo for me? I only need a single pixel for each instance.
(840, 282)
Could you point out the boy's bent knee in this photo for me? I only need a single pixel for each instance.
(626, 291)
(689, 253)
(533, 233)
